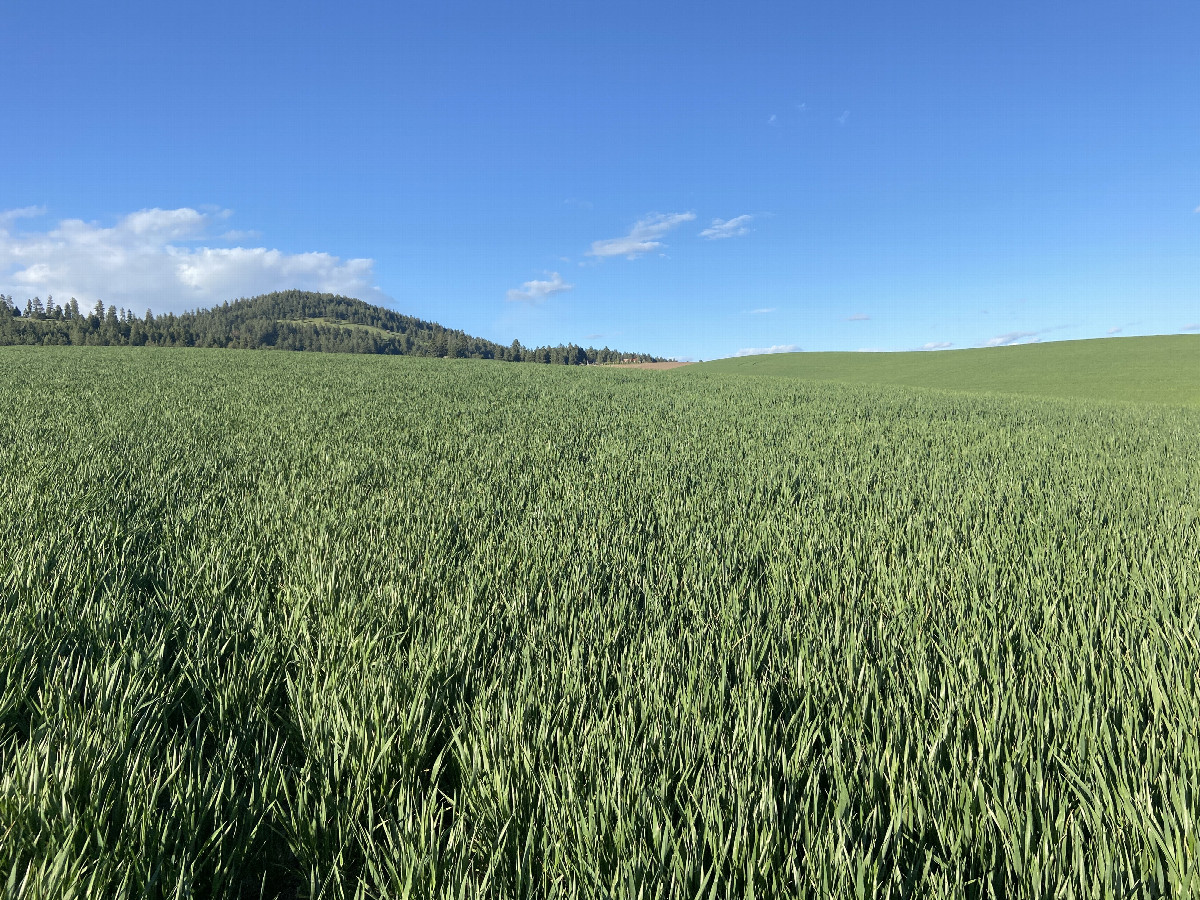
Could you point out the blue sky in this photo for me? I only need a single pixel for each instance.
(691, 180)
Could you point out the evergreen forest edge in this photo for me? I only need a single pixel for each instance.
(283, 320)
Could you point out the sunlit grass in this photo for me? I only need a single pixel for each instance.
(325, 626)
(1162, 369)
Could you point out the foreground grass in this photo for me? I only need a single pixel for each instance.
(322, 626)
(1161, 369)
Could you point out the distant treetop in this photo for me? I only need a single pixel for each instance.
(284, 320)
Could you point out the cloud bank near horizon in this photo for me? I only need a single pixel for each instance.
(160, 259)
(762, 351)
(1012, 337)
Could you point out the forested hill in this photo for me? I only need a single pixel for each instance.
(285, 320)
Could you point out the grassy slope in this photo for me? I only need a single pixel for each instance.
(1161, 369)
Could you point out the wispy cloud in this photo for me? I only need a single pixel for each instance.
(759, 351)
(936, 345)
(803, 107)
(1194, 326)
(644, 237)
(593, 337)
(773, 120)
(763, 310)
(858, 317)
(1003, 340)
(9, 217)
(157, 258)
(1115, 330)
(577, 203)
(727, 228)
(844, 118)
(537, 291)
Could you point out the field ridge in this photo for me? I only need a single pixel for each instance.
(1154, 369)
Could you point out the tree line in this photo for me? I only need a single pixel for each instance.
(284, 320)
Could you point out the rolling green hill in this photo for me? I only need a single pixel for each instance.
(1159, 369)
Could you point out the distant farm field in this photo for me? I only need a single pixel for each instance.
(293, 625)
(1159, 369)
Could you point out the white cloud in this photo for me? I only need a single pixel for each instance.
(727, 228)
(1003, 340)
(763, 310)
(858, 317)
(8, 217)
(1117, 330)
(774, 120)
(759, 351)
(936, 345)
(537, 291)
(643, 238)
(1195, 326)
(844, 118)
(236, 235)
(155, 258)
(803, 107)
(165, 224)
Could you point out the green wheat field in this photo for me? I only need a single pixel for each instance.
(321, 626)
